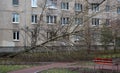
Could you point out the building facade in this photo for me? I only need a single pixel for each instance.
(19, 17)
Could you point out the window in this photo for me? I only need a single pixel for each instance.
(64, 20)
(107, 9)
(118, 10)
(34, 18)
(65, 5)
(95, 21)
(78, 7)
(79, 21)
(107, 22)
(118, 0)
(65, 35)
(15, 2)
(15, 35)
(95, 36)
(50, 34)
(51, 19)
(34, 3)
(78, 36)
(52, 4)
(95, 7)
(15, 18)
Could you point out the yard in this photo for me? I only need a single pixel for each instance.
(77, 70)
(58, 71)
(8, 68)
(72, 56)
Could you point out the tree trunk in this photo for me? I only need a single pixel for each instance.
(88, 48)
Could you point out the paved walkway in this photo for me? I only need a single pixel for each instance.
(61, 65)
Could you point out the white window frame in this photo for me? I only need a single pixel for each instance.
(65, 5)
(118, 10)
(52, 4)
(95, 21)
(64, 20)
(78, 21)
(34, 18)
(16, 35)
(16, 3)
(78, 7)
(50, 34)
(96, 36)
(118, 0)
(15, 18)
(95, 7)
(77, 37)
(107, 8)
(34, 3)
(51, 19)
(107, 22)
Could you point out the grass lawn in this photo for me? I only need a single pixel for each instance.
(58, 71)
(81, 70)
(8, 68)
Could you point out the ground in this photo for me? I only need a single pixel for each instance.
(61, 65)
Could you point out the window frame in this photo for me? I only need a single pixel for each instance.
(65, 35)
(16, 35)
(51, 34)
(34, 3)
(95, 21)
(107, 8)
(78, 21)
(118, 0)
(107, 22)
(52, 4)
(15, 2)
(78, 36)
(64, 20)
(95, 7)
(65, 5)
(51, 19)
(15, 17)
(78, 7)
(118, 10)
(34, 18)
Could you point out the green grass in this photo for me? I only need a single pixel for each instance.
(8, 68)
(110, 56)
(83, 63)
(62, 56)
(58, 71)
(80, 70)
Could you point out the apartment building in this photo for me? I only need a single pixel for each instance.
(19, 17)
